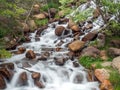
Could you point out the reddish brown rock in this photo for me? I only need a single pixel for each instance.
(39, 16)
(75, 28)
(90, 51)
(36, 76)
(21, 50)
(6, 73)
(59, 30)
(76, 45)
(63, 21)
(90, 36)
(30, 54)
(8, 65)
(39, 84)
(114, 51)
(23, 79)
(71, 23)
(106, 85)
(2, 83)
(115, 43)
(102, 74)
(103, 55)
(89, 26)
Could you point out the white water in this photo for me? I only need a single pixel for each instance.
(54, 77)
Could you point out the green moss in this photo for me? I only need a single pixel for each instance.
(87, 61)
(5, 54)
(41, 22)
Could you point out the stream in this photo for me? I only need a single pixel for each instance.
(53, 75)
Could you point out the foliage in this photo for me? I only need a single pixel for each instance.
(87, 61)
(5, 54)
(41, 22)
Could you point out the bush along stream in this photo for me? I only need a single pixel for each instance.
(75, 47)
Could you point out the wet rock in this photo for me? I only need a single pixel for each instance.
(53, 11)
(6, 73)
(2, 83)
(78, 78)
(71, 23)
(102, 74)
(8, 65)
(21, 50)
(115, 43)
(114, 52)
(106, 85)
(76, 64)
(59, 61)
(59, 30)
(37, 39)
(116, 63)
(30, 54)
(63, 21)
(89, 26)
(23, 79)
(76, 45)
(75, 28)
(36, 76)
(90, 36)
(96, 13)
(60, 43)
(39, 84)
(90, 51)
(42, 58)
(25, 27)
(103, 55)
(100, 40)
(39, 16)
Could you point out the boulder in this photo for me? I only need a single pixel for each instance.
(116, 63)
(76, 45)
(36, 76)
(90, 51)
(115, 43)
(96, 13)
(2, 83)
(59, 30)
(8, 66)
(6, 73)
(23, 79)
(90, 36)
(71, 23)
(25, 27)
(30, 54)
(102, 74)
(75, 28)
(106, 85)
(39, 16)
(32, 25)
(114, 52)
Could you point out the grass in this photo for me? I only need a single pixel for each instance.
(41, 22)
(87, 61)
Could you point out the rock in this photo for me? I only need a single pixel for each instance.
(23, 79)
(75, 28)
(32, 25)
(114, 52)
(103, 55)
(30, 54)
(90, 51)
(106, 64)
(53, 11)
(39, 84)
(21, 50)
(106, 85)
(116, 63)
(100, 40)
(78, 78)
(76, 45)
(115, 43)
(6, 73)
(37, 39)
(59, 30)
(46, 14)
(36, 76)
(25, 27)
(39, 16)
(2, 83)
(76, 64)
(102, 74)
(63, 21)
(25, 64)
(89, 26)
(96, 13)
(8, 65)
(36, 9)
(71, 23)
(90, 36)
(59, 61)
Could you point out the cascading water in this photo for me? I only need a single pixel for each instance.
(53, 77)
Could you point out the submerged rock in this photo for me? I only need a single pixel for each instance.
(2, 82)
(8, 65)
(76, 45)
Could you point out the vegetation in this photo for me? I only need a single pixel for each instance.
(41, 22)
(5, 54)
